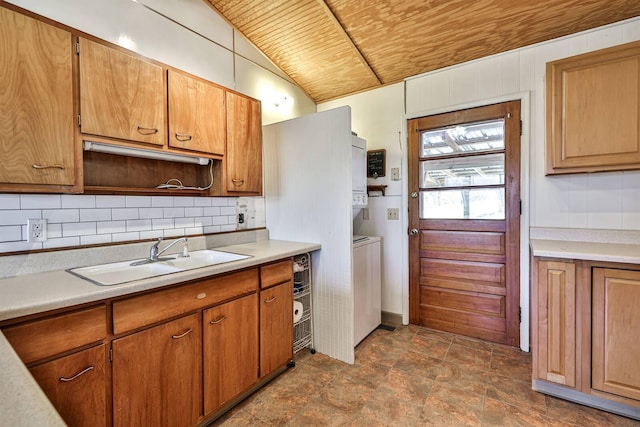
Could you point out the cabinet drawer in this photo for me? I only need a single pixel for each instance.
(273, 274)
(143, 310)
(38, 339)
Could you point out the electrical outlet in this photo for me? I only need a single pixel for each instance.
(395, 174)
(393, 213)
(37, 230)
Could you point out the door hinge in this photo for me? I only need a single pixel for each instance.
(520, 127)
(77, 47)
(79, 121)
(520, 314)
(520, 207)
(110, 354)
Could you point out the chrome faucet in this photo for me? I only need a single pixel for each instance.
(154, 253)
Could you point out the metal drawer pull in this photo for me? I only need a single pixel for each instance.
(47, 167)
(183, 137)
(84, 371)
(272, 299)
(214, 322)
(147, 131)
(175, 337)
(237, 182)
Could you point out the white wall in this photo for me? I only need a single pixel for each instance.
(188, 35)
(592, 201)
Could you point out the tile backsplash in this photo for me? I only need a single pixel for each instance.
(76, 220)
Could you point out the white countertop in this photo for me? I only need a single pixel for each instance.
(22, 402)
(593, 251)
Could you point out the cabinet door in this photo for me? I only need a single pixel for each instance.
(276, 327)
(230, 339)
(615, 347)
(593, 111)
(157, 375)
(244, 145)
(121, 96)
(555, 354)
(36, 99)
(76, 386)
(196, 114)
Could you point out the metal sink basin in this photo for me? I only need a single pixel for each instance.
(122, 272)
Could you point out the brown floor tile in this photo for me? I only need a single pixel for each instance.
(469, 356)
(517, 393)
(380, 352)
(450, 407)
(406, 386)
(472, 342)
(442, 336)
(430, 346)
(345, 394)
(513, 364)
(569, 413)
(419, 365)
(318, 413)
(372, 373)
(465, 378)
(239, 419)
(498, 413)
(386, 409)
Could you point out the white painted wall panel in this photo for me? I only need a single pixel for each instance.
(490, 78)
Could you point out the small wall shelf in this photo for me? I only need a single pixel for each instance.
(376, 188)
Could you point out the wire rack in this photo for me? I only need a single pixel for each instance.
(303, 328)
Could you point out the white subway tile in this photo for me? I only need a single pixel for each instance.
(228, 210)
(124, 237)
(162, 224)
(138, 201)
(110, 227)
(174, 232)
(220, 201)
(19, 246)
(78, 229)
(231, 227)
(162, 202)
(11, 233)
(153, 234)
(60, 243)
(95, 239)
(61, 215)
(232, 201)
(123, 214)
(183, 222)
(214, 211)
(9, 201)
(194, 212)
(110, 202)
(203, 221)
(54, 231)
(202, 201)
(182, 201)
(193, 230)
(173, 212)
(212, 229)
(95, 215)
(76, 201)
(18, 217)
(219, 220)
(40, 201)
(139, 225)
(150, 213)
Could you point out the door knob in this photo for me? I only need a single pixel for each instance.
(413, 232)
(414, 195)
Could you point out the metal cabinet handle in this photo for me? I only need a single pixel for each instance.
(215, 322)
(237, 182)
(413, 232)
(183, 137)
(272, 299)
(84, 371)
(47, 167)
(147, 131)
(175, 337)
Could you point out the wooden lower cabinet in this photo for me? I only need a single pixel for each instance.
(230, 350)
(276, 327)
(555, 352)
(616, 322)
(157, 376)
(76, 386)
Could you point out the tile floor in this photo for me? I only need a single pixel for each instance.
(413, 377)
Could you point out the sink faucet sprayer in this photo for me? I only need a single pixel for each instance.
(154, 253)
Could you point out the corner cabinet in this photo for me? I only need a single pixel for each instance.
(38, 115)
(244, 145)
(593, 111)
(585, 320)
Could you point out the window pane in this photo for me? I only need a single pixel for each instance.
(468, 203)
(463, 171)
(470, 137)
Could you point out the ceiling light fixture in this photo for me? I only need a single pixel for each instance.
(120, 150)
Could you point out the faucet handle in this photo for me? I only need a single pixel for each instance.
(185, 248)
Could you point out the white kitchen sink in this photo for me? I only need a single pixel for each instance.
(117, 273)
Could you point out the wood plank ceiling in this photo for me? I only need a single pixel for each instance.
(333, 48)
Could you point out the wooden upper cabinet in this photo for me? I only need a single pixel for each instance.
(121, 96)
(196, 114)
(593, 111)
(37, 110)
(244, 145)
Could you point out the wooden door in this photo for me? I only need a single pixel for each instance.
(554, 316)
(615, 367)
(244, 145)
(230, 340)
(197, 116)
(121, 96)
(157, 375)
(276, 327)
(37, 131)
(76, 386)
(464, 172)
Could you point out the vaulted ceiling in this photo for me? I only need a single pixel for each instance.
(333, 48)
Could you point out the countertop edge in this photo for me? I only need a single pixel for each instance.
(590, 251)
